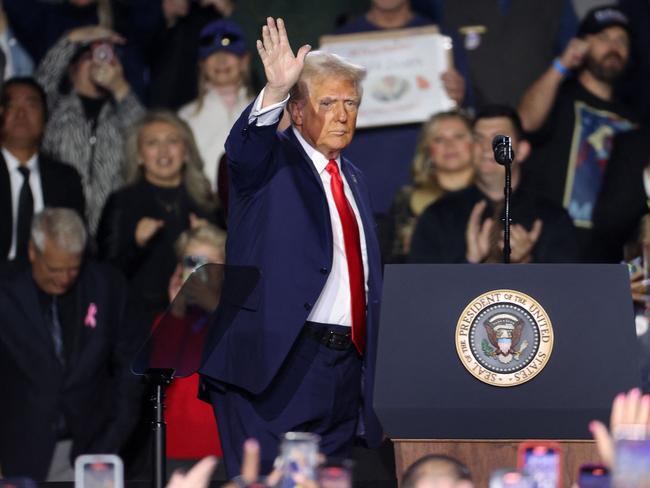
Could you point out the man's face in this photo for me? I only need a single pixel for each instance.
(54, 270)
(23, 116)
(328, 117)
(608, 54)
(488, 170)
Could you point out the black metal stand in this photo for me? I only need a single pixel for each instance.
(159, 379)
(507, 192)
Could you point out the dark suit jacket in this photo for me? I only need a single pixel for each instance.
(622, 200)
(439, 235)
(96, 392)
(61, 188)
(278, 221)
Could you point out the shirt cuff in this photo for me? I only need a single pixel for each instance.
(267, 115)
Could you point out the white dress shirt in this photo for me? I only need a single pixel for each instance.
(333, 305)
(16, 183)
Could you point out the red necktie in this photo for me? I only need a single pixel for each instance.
(353, 254)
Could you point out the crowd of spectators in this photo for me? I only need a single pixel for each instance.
(629, 416)
(119, 111)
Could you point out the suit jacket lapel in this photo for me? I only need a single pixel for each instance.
(319, 200)
(35, 325)
(309, 164)
(6, 207)
(364, 211)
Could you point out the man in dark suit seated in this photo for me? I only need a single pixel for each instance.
(29, 181)
(295, 353)
(466, 227)
(65, 349)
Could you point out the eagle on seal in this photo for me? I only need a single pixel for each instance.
(504, 333)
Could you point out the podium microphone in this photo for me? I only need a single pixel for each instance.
(502, 148)
(504, 155)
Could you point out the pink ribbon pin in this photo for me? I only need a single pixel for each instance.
(90, 320)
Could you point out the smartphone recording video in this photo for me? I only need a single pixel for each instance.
(103, 52)
(98, 471)
(543, 461)
(594, 476)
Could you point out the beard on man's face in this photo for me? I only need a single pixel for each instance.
(608, 69)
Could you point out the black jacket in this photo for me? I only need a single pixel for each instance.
(439, 236)
(95, 392)
(147, 268)
(61, 188)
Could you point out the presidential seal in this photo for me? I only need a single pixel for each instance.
(504, 338)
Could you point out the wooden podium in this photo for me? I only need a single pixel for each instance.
(429, 402)
(483, 457)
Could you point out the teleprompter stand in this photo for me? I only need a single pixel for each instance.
(176, 345)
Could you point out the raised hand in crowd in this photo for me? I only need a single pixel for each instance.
(107, 74)
(523, 241)
(454, 85)
(146, 229)
(574, 54)
(173, 10)
(281, 67)
(629, 420)
(477, 234)
(197, 477)
(93, 33)
(250, 471)
(224, 7)
(538, 99)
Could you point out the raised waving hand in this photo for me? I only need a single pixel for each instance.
(281, 66)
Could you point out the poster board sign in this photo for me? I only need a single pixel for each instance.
(404, 66)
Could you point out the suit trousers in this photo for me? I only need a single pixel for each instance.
(317, 390)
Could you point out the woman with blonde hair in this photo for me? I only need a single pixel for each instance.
(442, 163)
(223, 92)
(166, 193)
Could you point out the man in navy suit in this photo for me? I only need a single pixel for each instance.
(29, 181)
(65, 350)
(299, 351)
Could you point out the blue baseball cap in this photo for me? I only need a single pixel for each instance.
(221, 35)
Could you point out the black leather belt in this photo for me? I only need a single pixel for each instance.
(340, 341)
